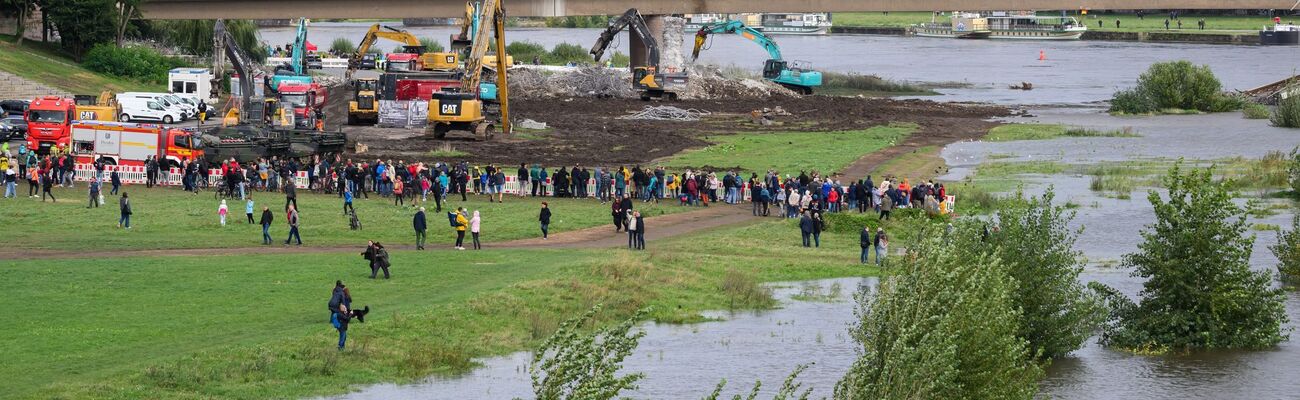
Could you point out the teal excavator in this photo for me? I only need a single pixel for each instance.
(295, 70)
(775, 68)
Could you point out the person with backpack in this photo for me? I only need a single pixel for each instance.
(94, 193)
(266, 225)
(421, 226)
(544, 217)
(639, 243)
(124, 205)
(458, 221)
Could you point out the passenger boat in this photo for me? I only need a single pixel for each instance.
(770, 24)
(1027, 26)
(960, 25)
(1280, 34)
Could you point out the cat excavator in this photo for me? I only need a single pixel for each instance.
(463, 110)
(775, 68)
(652, 81)
(428, 61)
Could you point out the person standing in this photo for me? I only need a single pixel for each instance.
(347, 201)
(398, 188)
(266, 220)
(882, 246)
(631, 229)
(378, 258)
(340, 320)
(521, 176)
(420, 223)
(818, 224)
(462, 224)
(640, 230)
(616, 211)
(123, 205)
(47, 183)
(864, 241)
(474, 229)
(291, 216)
(248, 209)
(806, 228)
(544, 217)
(886, 205)
(290, 195)
(94, 193)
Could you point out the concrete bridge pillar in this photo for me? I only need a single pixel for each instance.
(637, 53)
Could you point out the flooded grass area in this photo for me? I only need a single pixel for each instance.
(1011, 132)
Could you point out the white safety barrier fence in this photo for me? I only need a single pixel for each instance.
(137, 175)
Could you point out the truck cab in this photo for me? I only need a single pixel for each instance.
(304, 100)
(401, 62)
(363, 108)
(49, 121)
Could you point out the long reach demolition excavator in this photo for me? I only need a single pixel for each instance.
(463, 110)
(650, 79)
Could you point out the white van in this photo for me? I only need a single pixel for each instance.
(136, 109)
(170, 101)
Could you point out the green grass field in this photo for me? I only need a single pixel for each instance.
(1128, 22)
(1010, 132)
(169, 218)
(43, 64)
(255, 326)
(790, 152)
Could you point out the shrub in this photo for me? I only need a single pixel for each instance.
(575, 365)
(1287, 114)
(1287, 251)
(1175, 85)
(620, 60)
(343, 46)
(1255, 111)
(867, 83)
(525, 51)
(1293, 169)
(431, 45)
(565, 53)
(137, 63)
(1199, 291)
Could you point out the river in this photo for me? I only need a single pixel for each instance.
(686, 361)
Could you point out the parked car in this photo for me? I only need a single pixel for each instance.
(368, 61)
(13, 127)
(314, 62)
(13, 107)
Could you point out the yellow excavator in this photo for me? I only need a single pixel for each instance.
(428, 61)
(462, 41)
(463, 110)
(363, 108)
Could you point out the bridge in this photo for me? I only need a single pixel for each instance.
(281, 9)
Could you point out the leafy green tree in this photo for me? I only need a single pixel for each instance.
(195, 36)
(943, 326)
(575, 365)
(19, 10)
(81, 23)
(1178, 85)
(788, 391)
(1036, 244)
(342, 46)
(1200, 292)
(431, 45)
(1287, 251)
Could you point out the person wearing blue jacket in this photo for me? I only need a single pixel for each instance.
(347, 201)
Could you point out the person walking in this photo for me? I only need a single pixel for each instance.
(544, 217)
(116, 181)
(640, 230)
(291, 216)
(248, 209)
(882, 246)
(347, 201)
(222, 210)
(47, 183)
(378, 258)
(616, 211)
(94, 193)
(266, 220)
(806, 228)
(11, 183)
(124, 206)
(864, 241)
(462, 224)
(474, 229)
(421, 225)
(290, 195)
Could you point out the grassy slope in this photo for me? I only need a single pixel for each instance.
(790, 152)
(1128, 22)
(256, 327)
(161, 213)
(45, 65)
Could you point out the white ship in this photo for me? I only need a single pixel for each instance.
(770, 24)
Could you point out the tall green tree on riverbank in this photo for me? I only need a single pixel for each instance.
(1036, 245)
(942, 326)
(1200, 292)
(81, 23)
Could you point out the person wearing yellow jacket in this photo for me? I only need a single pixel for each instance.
(461, 224)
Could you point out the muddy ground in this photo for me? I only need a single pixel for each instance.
(587, 131)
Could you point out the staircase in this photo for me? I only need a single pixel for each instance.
(19, 88)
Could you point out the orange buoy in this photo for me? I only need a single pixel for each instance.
(1042, 55)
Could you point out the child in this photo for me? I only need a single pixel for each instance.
(221, 211)
(248, 209)
(347, 201)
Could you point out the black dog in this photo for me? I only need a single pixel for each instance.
(360, 315)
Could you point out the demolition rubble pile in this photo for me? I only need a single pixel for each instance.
(706, 83)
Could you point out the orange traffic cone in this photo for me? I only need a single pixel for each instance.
(1042, 55)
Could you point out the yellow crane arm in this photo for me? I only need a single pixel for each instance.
(474, 62)
(373, 35)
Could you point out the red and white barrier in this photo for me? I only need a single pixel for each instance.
(138, 175)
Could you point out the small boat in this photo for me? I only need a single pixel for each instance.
(1027, 26)
(960, 25)
(1279, 34)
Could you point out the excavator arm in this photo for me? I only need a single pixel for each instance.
(632, 19)
(410, 44)
(462, 41)
(739, 28)
(299, 60)
(225, 45)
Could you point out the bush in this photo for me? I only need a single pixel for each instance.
(867, 83)
(1255, 111)
(565, 53)
(1287, 251)
(1287, 114)
(431, 45)
(136, 63)
(1175, 85)
(525, 52)
(342, 46)
(620, 60)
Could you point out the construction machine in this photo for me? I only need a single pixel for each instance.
(427, 61)
(463, 110)
(775, 68)
(364, 107)
(652, 81)
(461, 42)
(295, 70)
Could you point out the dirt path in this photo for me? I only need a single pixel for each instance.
(660, 227)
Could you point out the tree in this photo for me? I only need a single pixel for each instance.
(1200, 292)
(1037, 247)
(942, 327)
(195, 36)
(574, 365)
(126, 10)
(19, 9)
(81, 23)
(1287, 251)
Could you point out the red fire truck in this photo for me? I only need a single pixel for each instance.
(49, 120)
(131, 144)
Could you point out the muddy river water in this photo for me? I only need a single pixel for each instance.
(686, 361)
